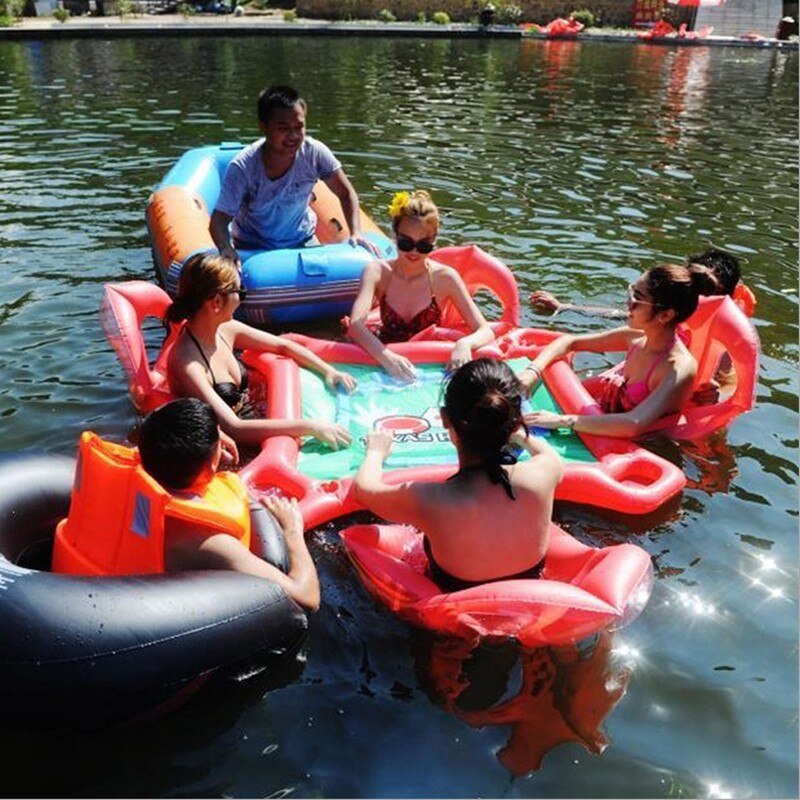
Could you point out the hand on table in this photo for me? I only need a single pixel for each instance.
(399, 367)
(546, 419)
(462, 354)
(380, 442)
(331, 434)
(336, 378)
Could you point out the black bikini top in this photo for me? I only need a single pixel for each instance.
(495, 471)
(231, 394)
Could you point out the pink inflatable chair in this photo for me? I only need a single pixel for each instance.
(718, 326)
(123, 310)
(582, 590)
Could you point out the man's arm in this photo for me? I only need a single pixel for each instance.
(220, 230)
(340, 185)
(545, 301)
(188, 548)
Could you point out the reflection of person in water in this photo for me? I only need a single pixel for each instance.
(565, 694)
(714, 464)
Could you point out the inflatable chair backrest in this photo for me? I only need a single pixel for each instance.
(479, 271)
(122, 312)
(717, 327)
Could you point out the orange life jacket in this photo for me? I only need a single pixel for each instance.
(117, 513)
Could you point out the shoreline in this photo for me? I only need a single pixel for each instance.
(162, 25)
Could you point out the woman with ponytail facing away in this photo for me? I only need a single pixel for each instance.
(491, 520)
(657, 376)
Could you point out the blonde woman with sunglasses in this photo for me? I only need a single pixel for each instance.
(411, 291)
(657, 376)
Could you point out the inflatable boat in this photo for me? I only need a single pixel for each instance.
(89, 652)
(283, 286)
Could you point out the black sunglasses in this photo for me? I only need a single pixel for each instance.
(240, 290)
(407, 244)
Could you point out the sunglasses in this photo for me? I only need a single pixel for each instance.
(635, 299)
(242, 292)
(407, 244)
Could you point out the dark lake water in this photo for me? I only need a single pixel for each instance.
(578, 164)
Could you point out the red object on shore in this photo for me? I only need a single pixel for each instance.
(565, 28)
(683, 33)
(658, 31)
(696, 3)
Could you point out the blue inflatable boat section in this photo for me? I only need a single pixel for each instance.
(283, 286)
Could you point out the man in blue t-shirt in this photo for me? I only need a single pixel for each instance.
(264, 200)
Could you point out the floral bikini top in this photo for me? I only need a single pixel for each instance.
(395, 328)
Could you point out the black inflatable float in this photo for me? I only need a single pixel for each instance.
(78, 652)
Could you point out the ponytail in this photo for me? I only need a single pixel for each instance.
(179, 310)
(483, 400)
(202, 276)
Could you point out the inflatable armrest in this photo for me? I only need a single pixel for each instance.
(396, 579)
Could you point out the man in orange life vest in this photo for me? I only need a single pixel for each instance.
(180, 446)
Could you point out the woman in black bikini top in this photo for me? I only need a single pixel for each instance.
(234, 395)
(491, 520)
(203, 363)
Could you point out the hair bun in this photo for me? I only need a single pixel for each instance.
(494, 417)
(703, 279)
(484, 402)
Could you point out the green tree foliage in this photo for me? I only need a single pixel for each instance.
(10, 11)
(584, 16)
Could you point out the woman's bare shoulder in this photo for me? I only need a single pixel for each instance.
(379, 271)
(445, 279)
(180, 354)
(442, 271)
(681, 363)
(184, 364)
(538, 473)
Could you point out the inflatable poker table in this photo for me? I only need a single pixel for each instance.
(410, 412)
(611, 473)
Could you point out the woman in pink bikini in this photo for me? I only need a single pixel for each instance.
(657, 376)
(411, 291)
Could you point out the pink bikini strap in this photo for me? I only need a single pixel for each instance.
(657, 361)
